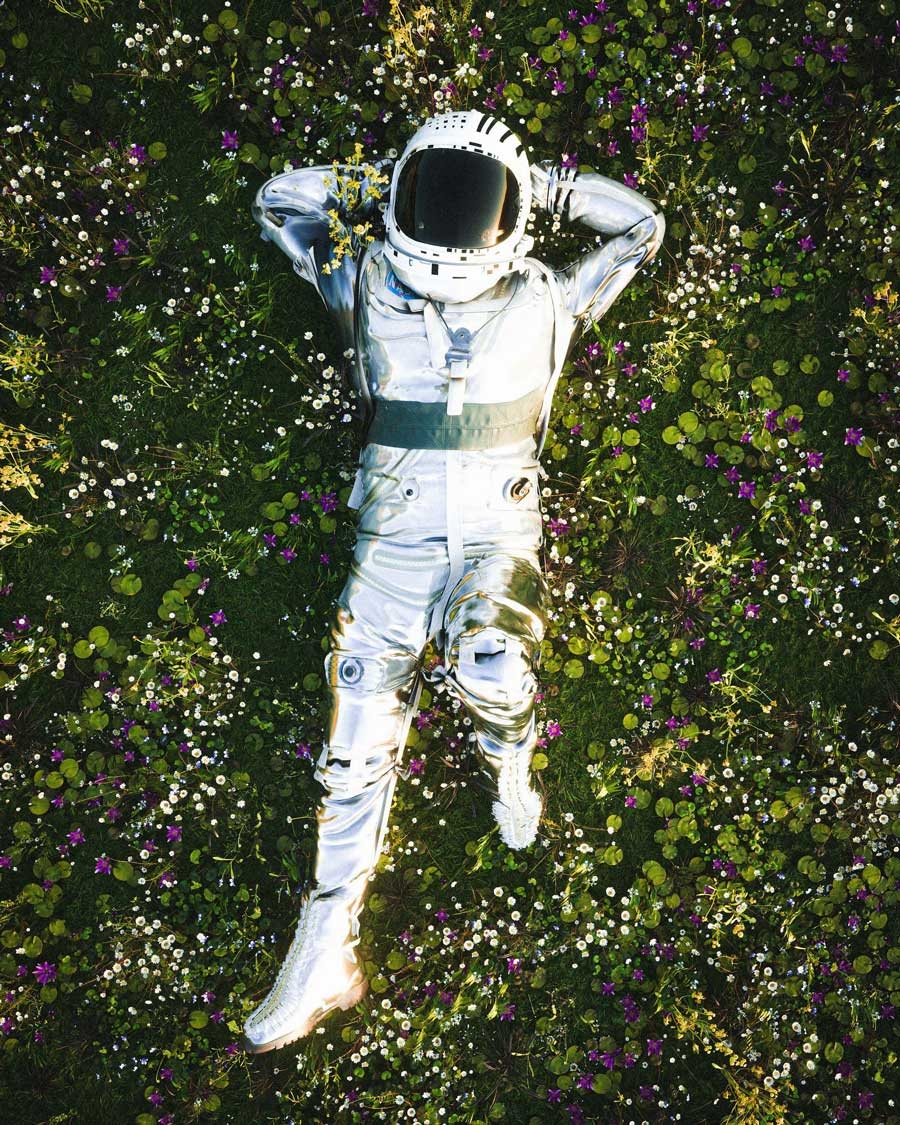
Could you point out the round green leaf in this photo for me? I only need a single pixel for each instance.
(99, 636)
(33, 946)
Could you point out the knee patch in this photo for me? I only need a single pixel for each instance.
(494, 666)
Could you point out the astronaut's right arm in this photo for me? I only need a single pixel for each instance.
(301, 212)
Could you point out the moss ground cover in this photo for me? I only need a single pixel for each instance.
(707, 928)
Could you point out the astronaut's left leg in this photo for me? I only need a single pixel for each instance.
(494, 623)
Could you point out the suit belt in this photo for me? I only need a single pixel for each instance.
(481, 425)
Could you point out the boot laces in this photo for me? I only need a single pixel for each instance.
(301, 952)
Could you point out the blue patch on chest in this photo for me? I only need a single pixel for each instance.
(397, 287)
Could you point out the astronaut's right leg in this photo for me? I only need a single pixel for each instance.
(372, 672)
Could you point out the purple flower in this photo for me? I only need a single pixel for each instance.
(554, 730)
(113, 292)
(138, 154)
(807, 243)
(173, 832)
(120, 245)
(104, 867)
(569, 160)
(843, 375)
(712, 461)
(813, 460)
(630, 802)
(45, 972)
(732, 476)
(747, 489)
(853, 436)
(509, 1012)
(218, 617)
(751, 611)
(230, 140)
(646, 700)
(699, 132)
(714, 676)
(48, 274)
(646, 404)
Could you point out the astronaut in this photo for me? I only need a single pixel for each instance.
(459, 337)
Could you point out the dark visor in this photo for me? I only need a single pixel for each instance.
(456, 199)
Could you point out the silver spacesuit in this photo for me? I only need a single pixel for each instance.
(459, 337)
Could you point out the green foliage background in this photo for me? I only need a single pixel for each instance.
(707, 928)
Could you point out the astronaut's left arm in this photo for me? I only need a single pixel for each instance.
(634, 224)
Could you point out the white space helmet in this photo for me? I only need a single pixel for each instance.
(459, 203)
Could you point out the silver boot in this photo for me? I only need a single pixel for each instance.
(320, 973)
(518, 808)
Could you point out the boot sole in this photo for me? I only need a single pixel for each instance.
(347, 1000)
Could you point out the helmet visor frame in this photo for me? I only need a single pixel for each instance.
(456, 199)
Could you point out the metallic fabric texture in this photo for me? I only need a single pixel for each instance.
(448, 534)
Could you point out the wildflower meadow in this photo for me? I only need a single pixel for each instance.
(707, 928)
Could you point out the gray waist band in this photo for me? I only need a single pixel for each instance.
(427, 425)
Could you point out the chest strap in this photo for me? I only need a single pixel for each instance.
(480, 425)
